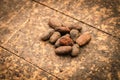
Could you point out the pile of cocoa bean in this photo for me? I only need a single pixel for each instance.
(66, 39)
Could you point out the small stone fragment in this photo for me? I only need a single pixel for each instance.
(62, 50)
(75, 50)
(47, 35)
(83, 39)
(74, 33)
(57, 44)
(54, 22)
(66, 41)
(62, 29)
(75, 26)
(55, 37)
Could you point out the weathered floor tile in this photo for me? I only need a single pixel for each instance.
(106, 17)
(15, 15)
(99, 57)
(15, 68)
(9, 9)
(78, 9)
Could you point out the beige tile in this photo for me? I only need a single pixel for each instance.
(95, 59)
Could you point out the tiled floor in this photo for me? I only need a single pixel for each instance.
(24, 57)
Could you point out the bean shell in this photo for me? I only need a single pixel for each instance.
(63, 50)
(55, 37)
(83, 39)
(54, 22)
(47, 35)
(75, 50)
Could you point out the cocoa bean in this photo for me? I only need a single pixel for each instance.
(55, 37)
(63, 50)
(66, 41)
(54, 22)
(75, 26)
(62, 30)
(83, 39)
(57, 44)
(66, 35)
(67, 25)
(47, 34)
(75, 50)
(74, 33)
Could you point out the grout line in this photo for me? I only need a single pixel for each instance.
(76, 19)
(29, 62)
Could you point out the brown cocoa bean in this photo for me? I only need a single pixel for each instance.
(75, 26)
(55, 37)
(83, 39)
(67, 24)
(47, 34)
(54, 22)
(66, 41)
(57, 44)
(63, 50)
(75, 50)
(62, 30)
(66, 35)
(74, 33)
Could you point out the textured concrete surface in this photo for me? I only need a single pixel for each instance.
(101, 14)
(13, 67)
(23, 49)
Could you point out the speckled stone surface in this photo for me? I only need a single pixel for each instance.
(99, 60)
(13, 15)
(106, 17)
(99, 57)
(102, 14)
(14, 68)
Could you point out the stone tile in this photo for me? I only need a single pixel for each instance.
(14, 14)
(106, 17)
(9, 9)
(15, 68)
(99, 57)
(78, 9)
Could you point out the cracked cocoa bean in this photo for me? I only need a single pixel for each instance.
(63, 50)
(57, 44)
(54, 22)
(47, 34)
(83, 39)
(55, 37)
(74, 33)
(66, 41)
(75, 50)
